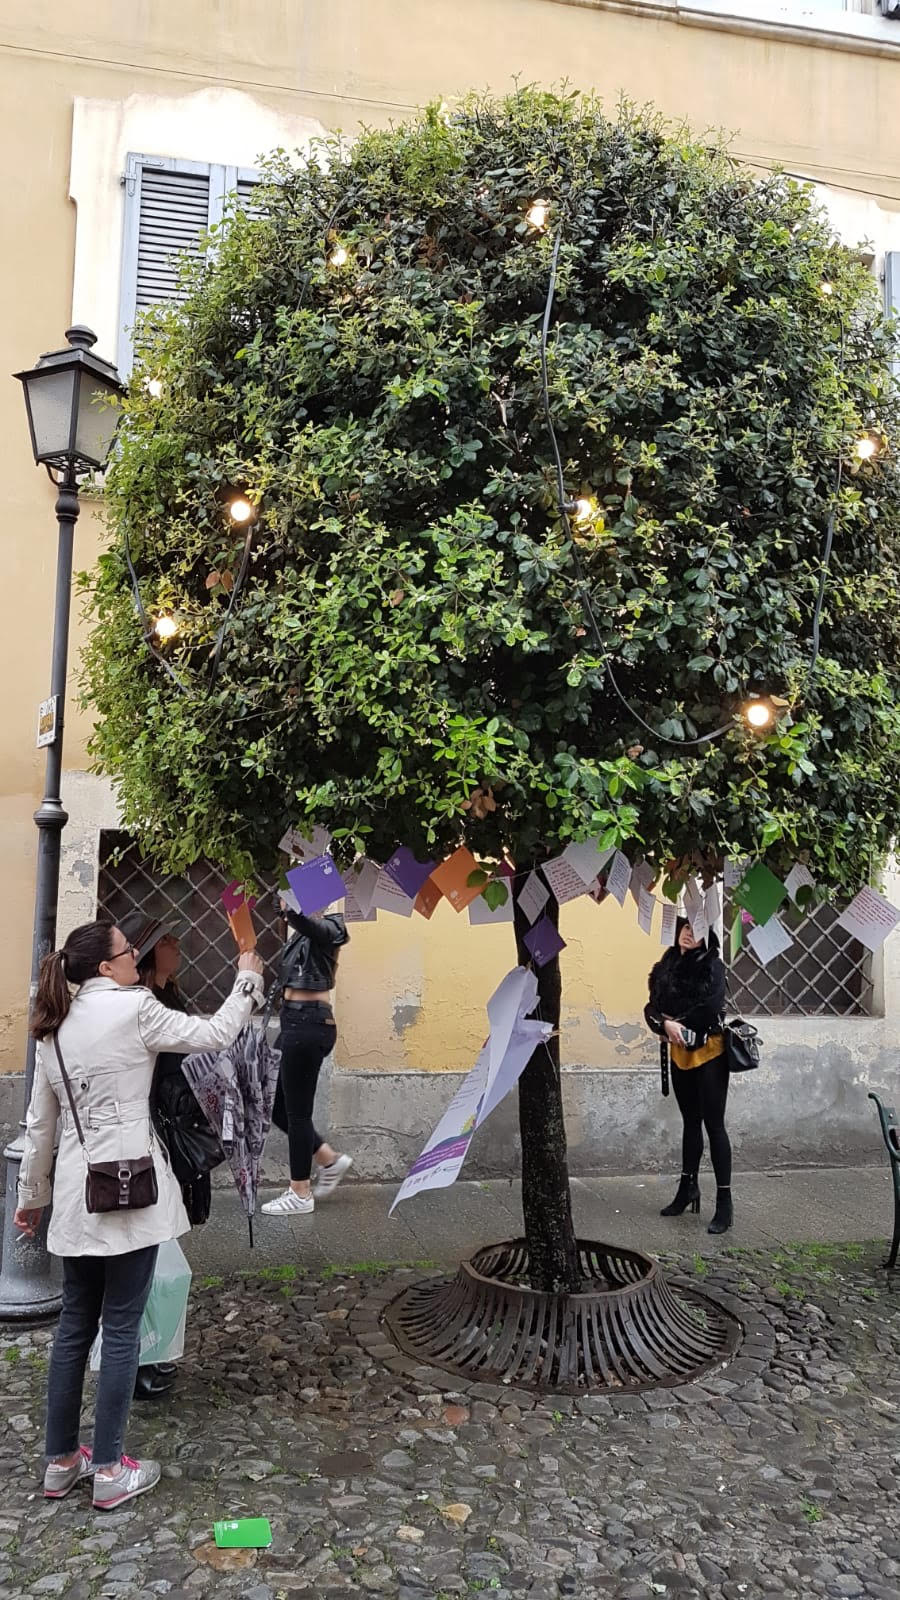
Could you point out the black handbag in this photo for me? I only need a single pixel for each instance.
(741, 1045)
(128, 1184)
(194, 1146)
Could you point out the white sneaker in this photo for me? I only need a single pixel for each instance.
(328, 1178)
(290, 1204)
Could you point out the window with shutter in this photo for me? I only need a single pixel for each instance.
(892, 297)
(168, 206)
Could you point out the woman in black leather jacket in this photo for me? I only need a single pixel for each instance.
(308, 1035)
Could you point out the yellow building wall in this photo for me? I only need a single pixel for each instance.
(412, 995)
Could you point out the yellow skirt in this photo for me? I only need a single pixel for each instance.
(686, 1059)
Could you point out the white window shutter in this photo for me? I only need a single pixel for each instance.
(892, 297)
(168, 204)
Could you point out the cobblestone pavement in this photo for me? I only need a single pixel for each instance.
(778, 1475)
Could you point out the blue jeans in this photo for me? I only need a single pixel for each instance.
(111, 1290)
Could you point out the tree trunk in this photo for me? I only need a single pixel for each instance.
(546, 1200)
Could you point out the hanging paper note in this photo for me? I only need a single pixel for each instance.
(532, 897)
(389, 896)
(598, 890)
(760, 893)
(543, 942)
(642, 875)
(669, 919)
(316, 883)
(618, 878)
(733, 872)
(869, 918)
(234, 897)
(769, 940)
(587, 859)
(299, 847)
(799, 878)
(563, 880)
(241, 924)
(480, 913)
(452, 878)
(428, 899)
(361, 881)
(737, 935)
(646, 905)
(409, 873)
(512, 1040)
(289, 899)
(712, 905)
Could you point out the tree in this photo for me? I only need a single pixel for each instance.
(415, 624)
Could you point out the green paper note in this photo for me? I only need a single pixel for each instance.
(249, 1533)
(737, 935)
(760, 893)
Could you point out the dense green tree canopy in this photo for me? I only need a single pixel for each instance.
(362, 359)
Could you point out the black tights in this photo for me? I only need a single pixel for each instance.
(701, 1093)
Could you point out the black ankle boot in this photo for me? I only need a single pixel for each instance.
(724, 1213)
(688, 1195)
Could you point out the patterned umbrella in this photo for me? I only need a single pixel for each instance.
(236, 1088)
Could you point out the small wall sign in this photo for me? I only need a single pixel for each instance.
(47, 719)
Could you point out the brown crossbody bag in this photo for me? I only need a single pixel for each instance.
(125, 1185)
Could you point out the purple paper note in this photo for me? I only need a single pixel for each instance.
(316, 883)
(544, 942)
(408, 873)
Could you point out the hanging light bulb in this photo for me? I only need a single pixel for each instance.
(826, 288)
(867, 446)
(240, 509)
(154, 387)
(165, 627)
(338, 257)
(758, 713)
(584, 511)
(537, 214)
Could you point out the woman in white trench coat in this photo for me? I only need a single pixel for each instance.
(109, 1035)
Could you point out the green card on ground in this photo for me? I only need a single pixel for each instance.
(760, 893)
(248, 1533)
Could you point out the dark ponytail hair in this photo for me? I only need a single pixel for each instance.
(78, 960)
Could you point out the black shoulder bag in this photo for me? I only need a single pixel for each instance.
(125, 1185)
(741, 1041)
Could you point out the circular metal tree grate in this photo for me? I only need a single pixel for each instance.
(628, 1328)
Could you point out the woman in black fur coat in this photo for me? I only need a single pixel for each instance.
(686, 1008)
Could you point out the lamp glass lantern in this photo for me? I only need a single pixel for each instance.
(73, 399)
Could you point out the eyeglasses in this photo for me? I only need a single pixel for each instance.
(129, 950)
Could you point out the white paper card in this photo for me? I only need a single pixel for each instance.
(669, 919)
(619, 877)
(734, 871)
(587, 859)
(712, 905)
(300, 848)
(389, 896)
(641, 878)
(646, 904)
(288, 898)
(869, 918)
(563, 880)
(480, 912)
(769, 940)
(799, 877)
(362, 881)
(533, 897)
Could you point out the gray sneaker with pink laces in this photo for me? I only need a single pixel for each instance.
(60, 1481)
(133, 1478)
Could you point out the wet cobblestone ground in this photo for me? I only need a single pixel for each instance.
(777, 1475)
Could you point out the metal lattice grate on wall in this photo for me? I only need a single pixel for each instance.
(823, 974)
(192, 907)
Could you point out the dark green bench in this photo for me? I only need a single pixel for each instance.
(891, 1130)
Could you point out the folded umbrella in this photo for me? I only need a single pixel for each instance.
(235, 1088)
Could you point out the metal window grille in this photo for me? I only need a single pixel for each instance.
(823, 974)
(191, 906)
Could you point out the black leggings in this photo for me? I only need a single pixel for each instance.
(308, 1034)
(701, 1093)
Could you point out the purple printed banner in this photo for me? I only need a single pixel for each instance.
(544, 942)
(316, 884)
(408, 873)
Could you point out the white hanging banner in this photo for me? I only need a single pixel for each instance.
(642, 875)
(510, 1046)
(362, 881)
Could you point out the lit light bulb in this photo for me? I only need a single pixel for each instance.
(154, 387)
(165, 627)
(759, 713)
(338, 257)
(584, 511)
(537, 213)
(826, 288)
(866, 446)
(240, 509)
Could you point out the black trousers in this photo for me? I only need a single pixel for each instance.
(308, 1035)
(701, 1093)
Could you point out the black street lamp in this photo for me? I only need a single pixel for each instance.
(72, 398)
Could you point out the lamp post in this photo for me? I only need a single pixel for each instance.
(72, 399)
